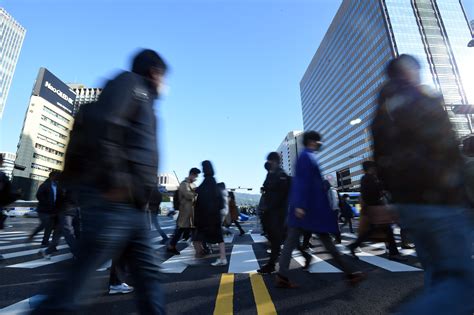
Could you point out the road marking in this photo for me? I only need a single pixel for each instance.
(14, 232)
(27, 252)
(23, 307)
(229, 238)
(381, 262)
(243, 260)
(257, 238)
(405, 252)
(318, 265)
(225, 296)
(41, 262)
(263, 300)
(20, 238)
(178, 263)
(19, 245)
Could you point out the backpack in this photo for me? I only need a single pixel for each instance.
(176, 202)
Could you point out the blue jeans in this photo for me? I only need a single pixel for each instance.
(110, 231)
(156, 223)
(442, 236)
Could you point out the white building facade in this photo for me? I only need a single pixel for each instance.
(12, 35)
(45, 133)
(289, 149)
(8, 163)
(84, 95)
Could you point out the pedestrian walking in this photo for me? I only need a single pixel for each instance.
(277, 187)
(346, 212)
(310, 211)
(112, 158)
(334, 204)
(419, 161)
(373, 201)
(47, 209)
(234, 213)
(207, 217)
(187, 196)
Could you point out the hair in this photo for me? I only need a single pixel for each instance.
(54, 174)
(231, 195)
(267, 166)
(310, 136)
(326, 185)
(396, 67)
(367, 165)
(274, 156)
(194, 171)
(221, 186)
(146, 60)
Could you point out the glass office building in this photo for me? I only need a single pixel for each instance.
(339, 89)
(11, 40)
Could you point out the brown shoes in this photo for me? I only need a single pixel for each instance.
(284, 282)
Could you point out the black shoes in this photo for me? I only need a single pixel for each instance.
(307, 260)
(397, 257)
(407, 246)
(355, 278)
(267, 269)
(353, 253)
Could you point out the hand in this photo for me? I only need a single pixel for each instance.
(300, 213)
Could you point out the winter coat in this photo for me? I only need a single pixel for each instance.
(113, 144)
(47, 202)
(276, 187)
(187, 197)
(415, 147)
(307, 193)
(233, 210)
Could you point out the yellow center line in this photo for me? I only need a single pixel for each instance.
(225, 296)
(263, 300)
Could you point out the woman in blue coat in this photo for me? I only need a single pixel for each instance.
(310, 211)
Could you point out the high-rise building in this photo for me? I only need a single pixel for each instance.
(339, 89)
(8, 163)
(289, 150)
(45, 133)
(11, 40)
(169, 181)
(84, 94)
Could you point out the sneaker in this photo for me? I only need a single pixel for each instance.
(267, 269)
(43, 254)
(269, 251)
(219, 262)
(120, 289)
(284, 282)
(172, 250)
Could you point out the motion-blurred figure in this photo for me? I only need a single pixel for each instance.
(112, 158)
(154, 207)
(234, 213)
(310, 211)
(420, 164)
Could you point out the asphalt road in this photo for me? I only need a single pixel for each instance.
(193, 286)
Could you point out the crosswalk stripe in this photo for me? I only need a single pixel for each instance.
(405, 252)
(225, 296)
(41, 262)
(257, 238)
(23, 307)
(20, 238)
(13, 232)
(229, 239)
(18, 245)
(27, 252)
(318, 265)
(243, 260)
(381, 262)
(178, 263)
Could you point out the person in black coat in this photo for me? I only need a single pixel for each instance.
(207, 217)
(47, 195)
(346, 212)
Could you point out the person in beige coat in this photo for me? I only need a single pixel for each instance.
(187, 198)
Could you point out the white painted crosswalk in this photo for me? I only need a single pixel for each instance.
(243, 256)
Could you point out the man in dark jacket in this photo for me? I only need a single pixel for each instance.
(420, 164)
(47, 196)
(276, 187)
(113, 161)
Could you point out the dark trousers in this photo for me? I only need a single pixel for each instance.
(177, 235)
(237, 224)
(306, 239)
(275, 235)
(3, 218)
(46, 223)
(110, 230)
(387, 229)
(293, 240)
(67, 224)
(347, 220)
(117, 272)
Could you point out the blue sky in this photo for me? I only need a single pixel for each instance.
(235, 69)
